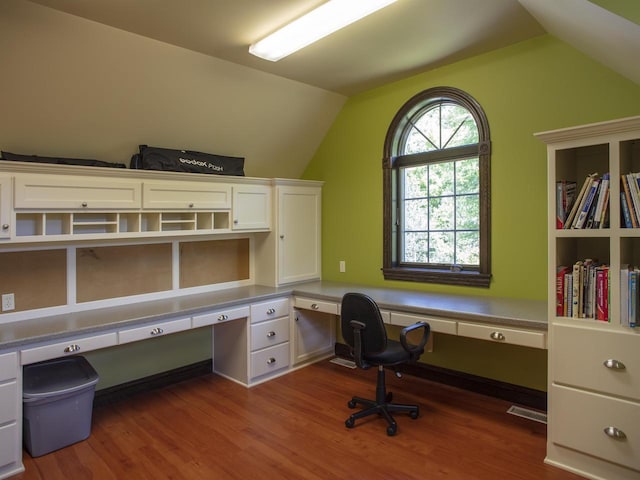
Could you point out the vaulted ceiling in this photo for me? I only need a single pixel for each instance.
(408, 37)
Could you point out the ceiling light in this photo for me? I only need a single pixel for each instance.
(324, 20)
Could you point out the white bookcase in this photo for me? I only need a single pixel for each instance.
(594, 365)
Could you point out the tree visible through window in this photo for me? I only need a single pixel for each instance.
(437, 190)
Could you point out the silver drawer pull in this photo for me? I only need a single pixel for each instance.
(616, 433)
(271, 311)
(614, 364)
(497, 336)
(271, 334)
(72, 348)
(223, 317)
(271, 361)
(5, 226)
(156, 331)
(84, 204)
(314, 306)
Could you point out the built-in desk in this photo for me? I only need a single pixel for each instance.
(270, 323)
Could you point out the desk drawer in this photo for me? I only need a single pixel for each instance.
(269, 360)
(495, 333)
(220, 316)
(269, 310)
(9, 452)
(74, 346)
(579, 355)
(319, 306)
(269, 333)
(154, 330)
(8, 366)
(437, 324)
(8, 402)
(581, 419)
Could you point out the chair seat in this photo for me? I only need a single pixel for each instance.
(394, 354)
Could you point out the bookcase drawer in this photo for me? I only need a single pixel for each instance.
(269, 310)
(220, 316)
(73, 346)
(581, 355)
(318, 306)
(154, 330)
(436, 324)
(498, 334)
(269, 360)
(582, 420)
(269, 333)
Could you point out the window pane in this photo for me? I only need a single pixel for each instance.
(468, 212)
(467, 176)
(441, 177)
(416, 247)
(441, 213)
(458, 127)
(468, 248)
(429, 126)
(442, 247)
(415, 181)
(416, 214)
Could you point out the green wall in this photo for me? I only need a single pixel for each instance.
(536, 85)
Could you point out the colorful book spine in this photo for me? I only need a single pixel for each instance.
(561, 273)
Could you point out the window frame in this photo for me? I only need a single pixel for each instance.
(392, 268)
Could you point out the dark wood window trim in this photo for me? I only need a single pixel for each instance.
(392, 269)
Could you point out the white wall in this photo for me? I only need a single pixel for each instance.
(76, 88)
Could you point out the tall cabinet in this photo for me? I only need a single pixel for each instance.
(594, 364)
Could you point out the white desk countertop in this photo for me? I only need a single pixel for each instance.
(519, 313)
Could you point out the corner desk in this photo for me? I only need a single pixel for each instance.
(258, 333)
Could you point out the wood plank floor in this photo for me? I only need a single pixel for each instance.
(293, 428)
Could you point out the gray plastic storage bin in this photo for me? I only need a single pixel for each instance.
(57, 397)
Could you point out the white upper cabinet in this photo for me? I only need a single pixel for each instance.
(6, 225)
(75, 192)
(251, 207)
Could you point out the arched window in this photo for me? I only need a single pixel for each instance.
(437, 192)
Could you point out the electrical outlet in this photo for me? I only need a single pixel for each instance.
(8, 302)
(343, 266)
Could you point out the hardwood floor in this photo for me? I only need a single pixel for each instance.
(293, 428)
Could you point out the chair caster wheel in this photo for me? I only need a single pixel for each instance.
(349, 422)
(414, 415)
(392, 430)
(351, 404)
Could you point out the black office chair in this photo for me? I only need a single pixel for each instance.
(364, 331)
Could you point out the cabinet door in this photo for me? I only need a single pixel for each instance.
(5, 207)
(299, 219)
(186, 195)
(313, 334)
(252, 207)
(74, 192)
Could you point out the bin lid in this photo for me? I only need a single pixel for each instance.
(58, 376)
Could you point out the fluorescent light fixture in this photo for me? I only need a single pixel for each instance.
(317, 24)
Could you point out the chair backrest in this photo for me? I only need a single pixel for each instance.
(360, 307)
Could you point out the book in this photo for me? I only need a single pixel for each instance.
(586, 205)
(635, 197)
(578, 201)
(603, 192)
(568, 294)
(624, 295)
(565, 197)
(602, 293)
(561, 294)
(576, 293)
(604, 220)
(633, 296)
(629, 202)
(626, 216)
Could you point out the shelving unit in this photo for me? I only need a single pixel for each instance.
(594, 365)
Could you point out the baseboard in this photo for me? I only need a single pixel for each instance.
(152, 382)
(528, 397)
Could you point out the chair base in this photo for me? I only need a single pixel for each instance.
(381, 406)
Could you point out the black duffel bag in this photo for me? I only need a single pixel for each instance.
(155, 158)
(60, 160)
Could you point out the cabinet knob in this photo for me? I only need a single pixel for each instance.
(85, 204)
(281, 237)
(271, 334)
(314, 306)
(157, 331)
(497, 336)
(191, 205)
(271, 311)
(5, 226)
(271, 361)
(223, 317)
(614, 364)
(616, 433)
(235, 222)
(72, 348)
